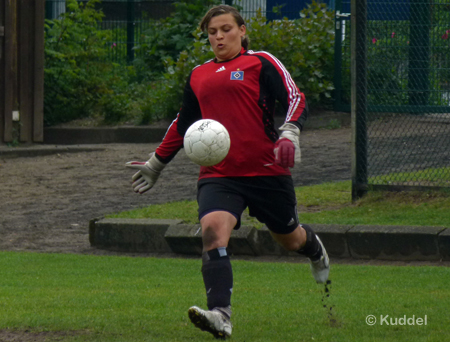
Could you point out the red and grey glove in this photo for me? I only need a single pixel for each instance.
(148, 173)
(287, 148)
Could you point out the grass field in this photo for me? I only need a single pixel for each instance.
(330, 203)
(131, 299)
(111, 298)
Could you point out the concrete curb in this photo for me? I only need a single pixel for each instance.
(39, 150)
(149, 134)
(131, 235)
(102, 135)
(400, 243)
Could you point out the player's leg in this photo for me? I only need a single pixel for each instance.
(219, 212)
(304, 241)
(216, 266)
(274, 203)
(217, 275)
(291, 241)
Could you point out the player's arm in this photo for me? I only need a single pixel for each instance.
(148, 172)
(189, 113)
(282, 86)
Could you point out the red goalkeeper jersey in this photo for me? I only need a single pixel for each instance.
(239, 93)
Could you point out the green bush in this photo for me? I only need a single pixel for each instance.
(167, 92)
(167, 38)
(389, 58)
(79, 82)
(305, 46)
(72, 66)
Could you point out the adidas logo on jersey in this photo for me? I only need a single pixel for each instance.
(222, 68)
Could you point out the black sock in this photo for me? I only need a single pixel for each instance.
(312, 248)
(218, 277)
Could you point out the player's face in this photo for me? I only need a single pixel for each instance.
(225, 35)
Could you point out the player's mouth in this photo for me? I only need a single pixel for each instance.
(220, 46)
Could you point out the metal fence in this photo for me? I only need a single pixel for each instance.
(400, 87)
(129, 19)
(126, 19)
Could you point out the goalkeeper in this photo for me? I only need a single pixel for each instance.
(239, 88)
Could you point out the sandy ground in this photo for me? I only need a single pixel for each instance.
(47, 201)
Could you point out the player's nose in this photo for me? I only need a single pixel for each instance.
(219, 34)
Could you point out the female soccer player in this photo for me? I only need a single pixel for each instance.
(239, 88)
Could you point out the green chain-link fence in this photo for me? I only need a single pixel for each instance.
(129, 19)
(400, 98)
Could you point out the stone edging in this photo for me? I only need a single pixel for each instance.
(149, 134)
(402, 243)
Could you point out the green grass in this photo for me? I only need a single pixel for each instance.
(110, 298)
(330, 203)
(432, 177)
(183, 210)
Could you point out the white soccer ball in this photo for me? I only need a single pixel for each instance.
(207, 142)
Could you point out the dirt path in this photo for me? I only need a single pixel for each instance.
(46, 202)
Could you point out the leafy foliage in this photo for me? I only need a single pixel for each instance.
(78, 80)
(390, 53)
(167, 38)
(81, 82)
(305, 46)
(167, 92)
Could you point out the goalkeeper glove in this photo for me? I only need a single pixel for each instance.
(148, 173)
(287, 148)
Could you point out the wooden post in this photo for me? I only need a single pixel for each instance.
(2, 68)
(39, 59)
(22, 70)
(8, 84)
(25, 64)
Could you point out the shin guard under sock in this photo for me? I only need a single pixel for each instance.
(312, 248)
(218, 278)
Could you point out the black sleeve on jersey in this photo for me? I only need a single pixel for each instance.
(303, 117)
(267, 99)
(190, 109)
(275, 85)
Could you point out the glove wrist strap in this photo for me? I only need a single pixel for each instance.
(289, 131)
(155, 164)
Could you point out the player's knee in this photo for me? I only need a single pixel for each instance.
(292, 241)
(289, 244)
(292, 245)
(214, 235)
(210, 238)
(216, 230)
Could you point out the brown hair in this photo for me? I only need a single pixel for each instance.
(224, 9)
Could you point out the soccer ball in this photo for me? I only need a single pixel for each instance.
(207, 142)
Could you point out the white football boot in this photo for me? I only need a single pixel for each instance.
(321, 268)
(214, 322)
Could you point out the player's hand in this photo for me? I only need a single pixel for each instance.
(147, 175)
(284, 153)
(287, 148)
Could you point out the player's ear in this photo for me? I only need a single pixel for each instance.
(242, 30)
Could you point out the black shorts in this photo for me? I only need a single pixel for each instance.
(271, 199)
